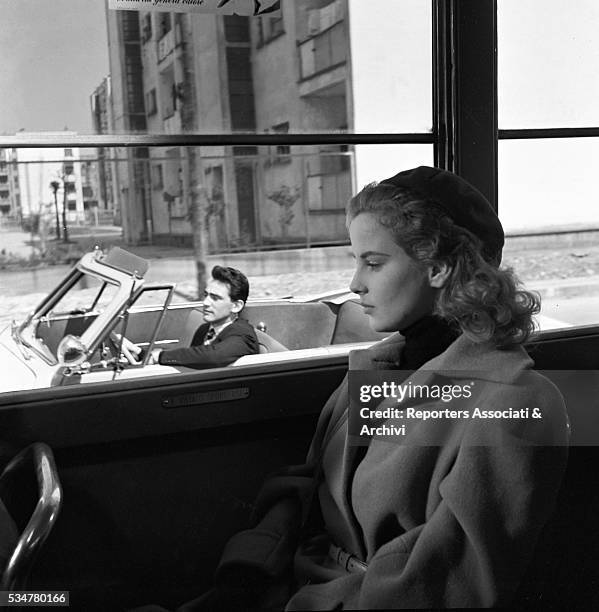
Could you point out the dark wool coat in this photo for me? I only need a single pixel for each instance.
(445, 518)
(233, 342)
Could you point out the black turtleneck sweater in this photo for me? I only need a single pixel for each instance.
(425, 339)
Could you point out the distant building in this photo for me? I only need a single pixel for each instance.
(91, 187)
(127, 115)
(10, 196)
(38, 168)
(107, 195)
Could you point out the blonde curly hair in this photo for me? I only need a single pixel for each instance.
(487, 303)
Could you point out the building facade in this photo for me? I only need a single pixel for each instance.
(10, 195)
(126, 115)
(305, 69)
(107, 196)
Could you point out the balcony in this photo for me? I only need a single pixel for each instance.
(166, 45)
(323, 61)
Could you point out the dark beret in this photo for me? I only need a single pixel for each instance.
(466, 206)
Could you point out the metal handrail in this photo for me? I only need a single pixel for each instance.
(43, 518)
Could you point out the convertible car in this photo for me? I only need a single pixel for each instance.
(160, 466)
(75, 335)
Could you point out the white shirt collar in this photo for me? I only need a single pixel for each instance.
(218, 329)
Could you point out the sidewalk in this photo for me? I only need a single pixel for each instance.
(85, 238)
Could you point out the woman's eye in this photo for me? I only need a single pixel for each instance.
(373, 264)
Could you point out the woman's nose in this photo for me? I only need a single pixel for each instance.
(356, 285)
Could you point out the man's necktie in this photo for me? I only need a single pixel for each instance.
(209, 337)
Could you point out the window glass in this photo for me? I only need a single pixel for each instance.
(54, 56)
(548, 60)
(548, 184)
(261, 209)
(390, 47)
(548, 205)
(89, 295)
(320, 66)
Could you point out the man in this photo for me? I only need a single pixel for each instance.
(224, 337)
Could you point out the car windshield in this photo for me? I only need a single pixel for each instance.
(89, 294)
(70, 310)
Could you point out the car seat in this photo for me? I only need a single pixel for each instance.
(268, 344)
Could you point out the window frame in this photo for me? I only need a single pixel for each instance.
(266, 32)
(464, 133)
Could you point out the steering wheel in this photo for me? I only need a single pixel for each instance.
(129, 350)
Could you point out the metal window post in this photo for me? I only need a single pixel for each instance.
(465, 90)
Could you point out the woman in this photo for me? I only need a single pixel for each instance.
(448, 513)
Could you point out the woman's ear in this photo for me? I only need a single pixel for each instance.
(438, 274)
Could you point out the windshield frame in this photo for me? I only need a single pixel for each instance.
(91, 264)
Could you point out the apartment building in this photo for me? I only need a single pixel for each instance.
(302, 83)
(10, 197)
(126, 114)
(107, 196)
(309, 68)
(38, 168)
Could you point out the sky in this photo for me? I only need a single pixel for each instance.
(55, 54)
(548, 63)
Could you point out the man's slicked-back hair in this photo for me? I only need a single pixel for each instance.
(239, 286)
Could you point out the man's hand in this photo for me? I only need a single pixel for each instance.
(130, 350)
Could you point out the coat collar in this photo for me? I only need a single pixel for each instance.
(464, 358)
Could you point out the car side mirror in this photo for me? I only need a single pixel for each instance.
(71, 352)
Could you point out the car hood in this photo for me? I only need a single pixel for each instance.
(16, 373)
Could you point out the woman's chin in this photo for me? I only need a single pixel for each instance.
(378, 326)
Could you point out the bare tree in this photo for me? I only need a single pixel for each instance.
(199, 225)
(65, 228)
(196, 192)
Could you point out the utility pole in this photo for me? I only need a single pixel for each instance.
(65, 229)
(54, 185)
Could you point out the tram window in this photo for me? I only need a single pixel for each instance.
(268, 211)
(318, 72)
(547, 62)
(548, 205)
(327, 67)
(555, 192)
(548, 57)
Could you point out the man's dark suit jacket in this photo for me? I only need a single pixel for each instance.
(234, 341)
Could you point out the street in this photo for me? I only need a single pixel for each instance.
(571, 298)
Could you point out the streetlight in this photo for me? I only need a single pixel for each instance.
(54, 185)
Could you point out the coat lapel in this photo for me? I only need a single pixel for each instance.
(384, 355)
(463, 358)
